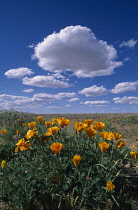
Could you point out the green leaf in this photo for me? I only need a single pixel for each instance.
(65, 187)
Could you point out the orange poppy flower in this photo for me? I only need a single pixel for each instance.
(23, 124)
(103, 146)
(52, 131)
(3, 164)
(22, 145)
(109, 186)
(88, 122)
(90, 131)
(30, 133)
(3, 131)
(54, 121)
(48, 124)
(133, 146)
(99, 125)
(31, 125)
(106, 135)
(56, 147)
(120, 144)
(63, 122)
(80, 126)
(76, 160)
(134, 154)
(17, 132)
(116, 136)
(39, 119)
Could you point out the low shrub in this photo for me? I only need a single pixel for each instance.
(45, 167)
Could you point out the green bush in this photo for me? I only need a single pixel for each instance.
(38, 178)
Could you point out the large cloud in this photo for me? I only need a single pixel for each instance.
(125, 87)
(94, 91)
(126, 99)
(76, 49)
(18, 73)
(44, 81)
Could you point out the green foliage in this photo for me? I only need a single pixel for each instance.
(9, 118)
(130, 120)
(37, 178)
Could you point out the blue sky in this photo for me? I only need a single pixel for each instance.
(70, 56)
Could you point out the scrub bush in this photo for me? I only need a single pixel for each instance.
(45, 167)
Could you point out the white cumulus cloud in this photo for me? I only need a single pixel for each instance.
(73, 99)
(125, 87)
(12, 97)
(16, 102)
(64, 95)
(126, 99)
(27, 103)
(54, 107)
(94, 91)
(131, 43)
(44, 97)
(28, 90)
(76, 49)
(67, 105)
(96, 102)
(18, 73)
(44, 81)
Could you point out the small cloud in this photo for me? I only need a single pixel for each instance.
(100, 105)
(54, 107)
(45, 81)
(46, 98)
(58, 75)
(28, 90)
(127, 59)
(18, 73)
(67, 105)
(64, 95)
(76, 49)
(12, 97)
(125, 87)
(131, 43)
(31, 46)
(96, 102)
(43, 98)
(126, 99)
(94, 91)
(73, 99)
